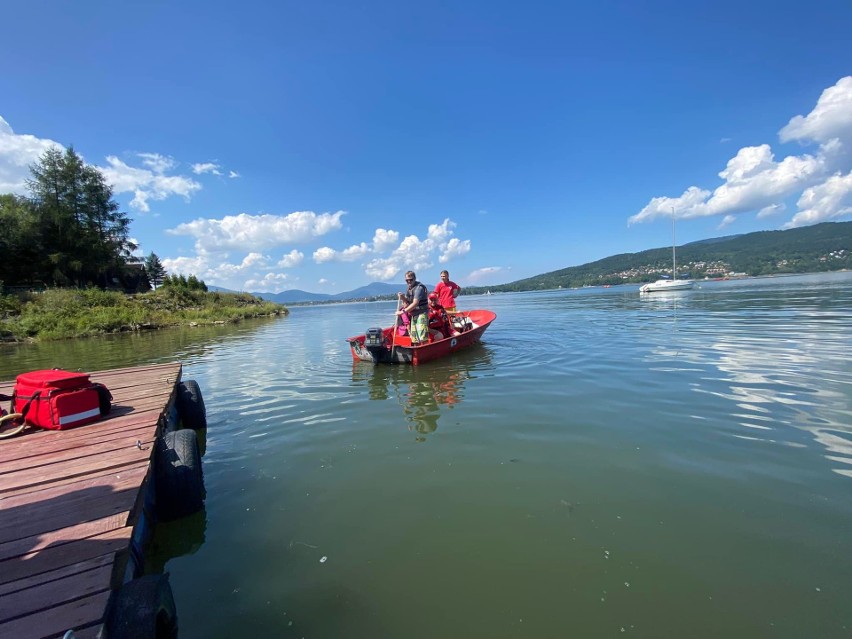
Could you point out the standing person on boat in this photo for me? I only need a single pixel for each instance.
(447, 292)
(439, 322)
(417, 307)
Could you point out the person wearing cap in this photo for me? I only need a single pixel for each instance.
(447, 292)
(416, 305)
(439, 322)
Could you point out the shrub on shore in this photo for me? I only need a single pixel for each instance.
(64, 313)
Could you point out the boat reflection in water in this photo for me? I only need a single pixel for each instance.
(424, 393)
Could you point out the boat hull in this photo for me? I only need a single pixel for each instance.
(400, 350)
(666, 285)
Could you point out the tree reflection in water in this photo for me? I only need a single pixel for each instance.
(424, 391)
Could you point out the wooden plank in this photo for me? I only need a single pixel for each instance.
(143, 433)
(95, 478)
(34, 437)
(73, 468)
(81, 506)
(47, 623)
(36, 455)
(166, 370)
(53, 558)
(53, 538)
(53, 575)
(33, 442)
(47, 595)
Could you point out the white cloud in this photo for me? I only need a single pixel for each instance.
(755, 182)
(411, 254)
(233, 174)
(830, 119)
(197, 266)
(383, 270)
(149, 183)
(352, 254)
(324, 254)
(772, 209)
(830, 200)
(213, 269)
(416, 254)
(245, 231)
(486, 275)
(254, 259)
(384, 239)
(293, 258)
(146, 183)
(269, 283)
(206, 167)
(17, 153)
(727, 220)
(663, 205)
(454, 248)
(157, 163)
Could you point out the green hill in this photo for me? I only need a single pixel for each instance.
(821, 247)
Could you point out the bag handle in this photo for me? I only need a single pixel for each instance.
(16, 428)
(26, 407)
(17, 416)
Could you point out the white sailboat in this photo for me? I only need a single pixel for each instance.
(672, 284)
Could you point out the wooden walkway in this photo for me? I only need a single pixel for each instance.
(68, 503)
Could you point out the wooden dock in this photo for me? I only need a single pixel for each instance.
(69, 502)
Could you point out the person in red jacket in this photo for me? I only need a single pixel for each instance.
(439, 322)
(447, 292)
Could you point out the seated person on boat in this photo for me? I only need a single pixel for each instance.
(439, 321)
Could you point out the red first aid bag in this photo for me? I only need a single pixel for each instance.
(58, 399)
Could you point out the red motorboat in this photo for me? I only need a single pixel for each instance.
(382, 345)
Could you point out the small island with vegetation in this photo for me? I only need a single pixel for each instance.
(63, 312)
(67, 265)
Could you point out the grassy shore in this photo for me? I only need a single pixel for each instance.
(65, 313)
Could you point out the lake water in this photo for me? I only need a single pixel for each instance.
(603, 464)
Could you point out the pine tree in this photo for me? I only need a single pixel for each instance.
(83, 233)
(155, 270)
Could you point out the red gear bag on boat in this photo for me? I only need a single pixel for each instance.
(58, 399)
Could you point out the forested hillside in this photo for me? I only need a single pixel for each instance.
(821, 247)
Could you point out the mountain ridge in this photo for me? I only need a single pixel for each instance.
(819, 247)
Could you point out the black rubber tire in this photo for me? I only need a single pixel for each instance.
(190, 405)
(179, 477)
(143, 609)
(104, 399)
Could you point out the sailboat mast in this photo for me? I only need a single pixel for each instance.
(674, 262)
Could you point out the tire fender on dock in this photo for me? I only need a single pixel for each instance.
(190, 405)
(178, 475)
(142, 609)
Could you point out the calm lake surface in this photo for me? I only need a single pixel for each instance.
(672, 465)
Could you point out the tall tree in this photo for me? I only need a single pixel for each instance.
(85, 235)
(155, 269)
(21, 248)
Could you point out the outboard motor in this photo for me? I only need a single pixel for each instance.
(374, 337)
(374, 342)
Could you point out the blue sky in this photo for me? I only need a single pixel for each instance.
(321, 146)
